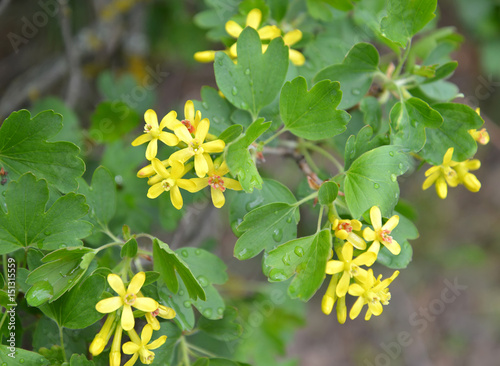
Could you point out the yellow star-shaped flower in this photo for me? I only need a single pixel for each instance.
(344, 230)
(443, 175)
(139, 347)
(381, 234)
(469, 180)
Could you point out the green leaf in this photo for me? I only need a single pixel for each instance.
(39, 293)
(111, 120)
(409, 118)
(405, 18)
(240, 161)
(442, 72)
(101, 196)
(27, 223)
(151, 277)
(24, 147)
(257, 78)
(306, 259)
(372, 180)
(402, 233)
(80, 360)
(64, 269)
(363, 142)
(312, 114)
(129, 249)
(266, 227)
(458, 119)
(242, 203)
(21, 357)
(372, 113)
(355, 73)
(225, 329)
(231, 133)
(217, 109)
(76, 308)
(328, 192)
(167, 263)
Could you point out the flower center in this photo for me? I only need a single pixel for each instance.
(130, 299)
(155, 313)
(354, 270)
(155, 132)
(196, 147)
(146, 355)
(167, 184)
(215, 181)
(147, 128)
(345, 226)
(384, 234)
(188, 125)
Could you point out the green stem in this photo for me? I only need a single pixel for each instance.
(320, 218)
(61, 337)
(4, 259)
(3, 318)
(185, 352)
(111, 235)
(308, 198)
(326, 154)
(402, 60)
(108, 246)
(145, 235)
(310, 161)
(202, 351)
(274, 136)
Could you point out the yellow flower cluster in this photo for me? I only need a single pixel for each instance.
(347, 275)
(266, 34)
(191, 136)
(122, 318)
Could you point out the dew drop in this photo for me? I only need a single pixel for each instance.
(203, 281)
(207, 312)
(289, 220)
(286, 259)
(181, 293)
(216, 119)
(277, 235)
(220, 311)
(184, 253)
(396, 195)
(21, 360)
(70, 281)
(247, 72)
(277, 275)
(376, 186)
(205, 105)
(46, 233)
(393, 177)
(244, 105)
(251, 82)
(234, 91)
(391, 153)
(299, 251)
(62, 246)
(356, 92)
(401, 166)
(4, 193)
(187, 304)
(197, 251)
(4, 364)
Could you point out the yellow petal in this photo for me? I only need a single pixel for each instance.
(327, 304)
(376, 218)
(473, 164)
(214, 146)
(155, 179)
(391, 223)
(145, 172)
(334, 266)
(130, 348)
(136, 283)
(181, 156)
(254, 18)
(341, 234)
(430, 180)
(116, 283)
(375, 247)
(165, 312)
(431, 170)
(202, 130)
(142, 139)
(365, 259)
(269, 32)
(393, 246)
(204, 56)
(233, 29)
(159, 168)
(217, 197)
(152, 321)
(199, 182)
(168, 139)
(356, 308)
(183, 134)
(200, 165)
(177, 170)
(233, 50)
(343, 284)
(296, 57)
(447, 156)
(356, 225)
(292, 37)
(189, 110)
(145, 304)
(133, 360)
(168, 119)
(232, 184)
(356, 241)
(127, 320)
(157, 343)
(356, 290)
(472, 183)
(341, 310)
(187, 184)
(152, 149)
(176, 197)
(376, 308)
(109, 305)
(369, 234)
(441, 188)
(197, 119)
(146, 334)
(155, 190)
(151, 118)
(347, 250)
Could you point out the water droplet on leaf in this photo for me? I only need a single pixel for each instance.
(234, 91)
(376, 186)
(205, 105)
(277, 275)
(391, 153)
(247, 72)
(299, 251)
(286, 259)
(184, 253)
(62, 246)
(203, 281)
(244, 105)
(207, 312)
(181, 293)
(220, 311)
(356, 92)
(277, 235)
(393, 177)
(197, 251)
(187, 304)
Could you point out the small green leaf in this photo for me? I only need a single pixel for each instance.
(257, 78)
(266, 227)
(27, 223)
(328, 192)
(458, 119)
(363, 142)
(372, 180)
(129, 249)
(443, 72)
(13, 358)
(24, 147)
(217, 109)
(405, 18)
(312, 114)
(80, 360)
(167, 263)
(240, 161)
(225, 329)
(231, 133)
(306, 258)
(151, 277)
(355, 73)
(409, 118)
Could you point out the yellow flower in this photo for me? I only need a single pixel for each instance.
(481, 136)
(349, 267)
(163, 312)
(170, 181)
(381, 234)
(196, 147)
(127, 299)
(372, 292)
(331, 297)
(101, 339)
(290, 39)
(469, 180)
(139, 347)
(148, 170)
(344, 230)
(253, 20)
(217, 182)
(442, 175)
(115, 355)
(154, 132)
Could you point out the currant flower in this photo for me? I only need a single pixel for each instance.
(170, 181)
(349, 267)
(196, 147)
(101, 339)
(127, 299)
(154, 132)
(344, 230)
(482, 136)
(254, 18)
(373, 292)
(290, 38)
(443, 175)
(115, 354)
(163, 312)
(331, 297)
(381, 234)
(139, 347)
(218, 182)
(469, 180)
